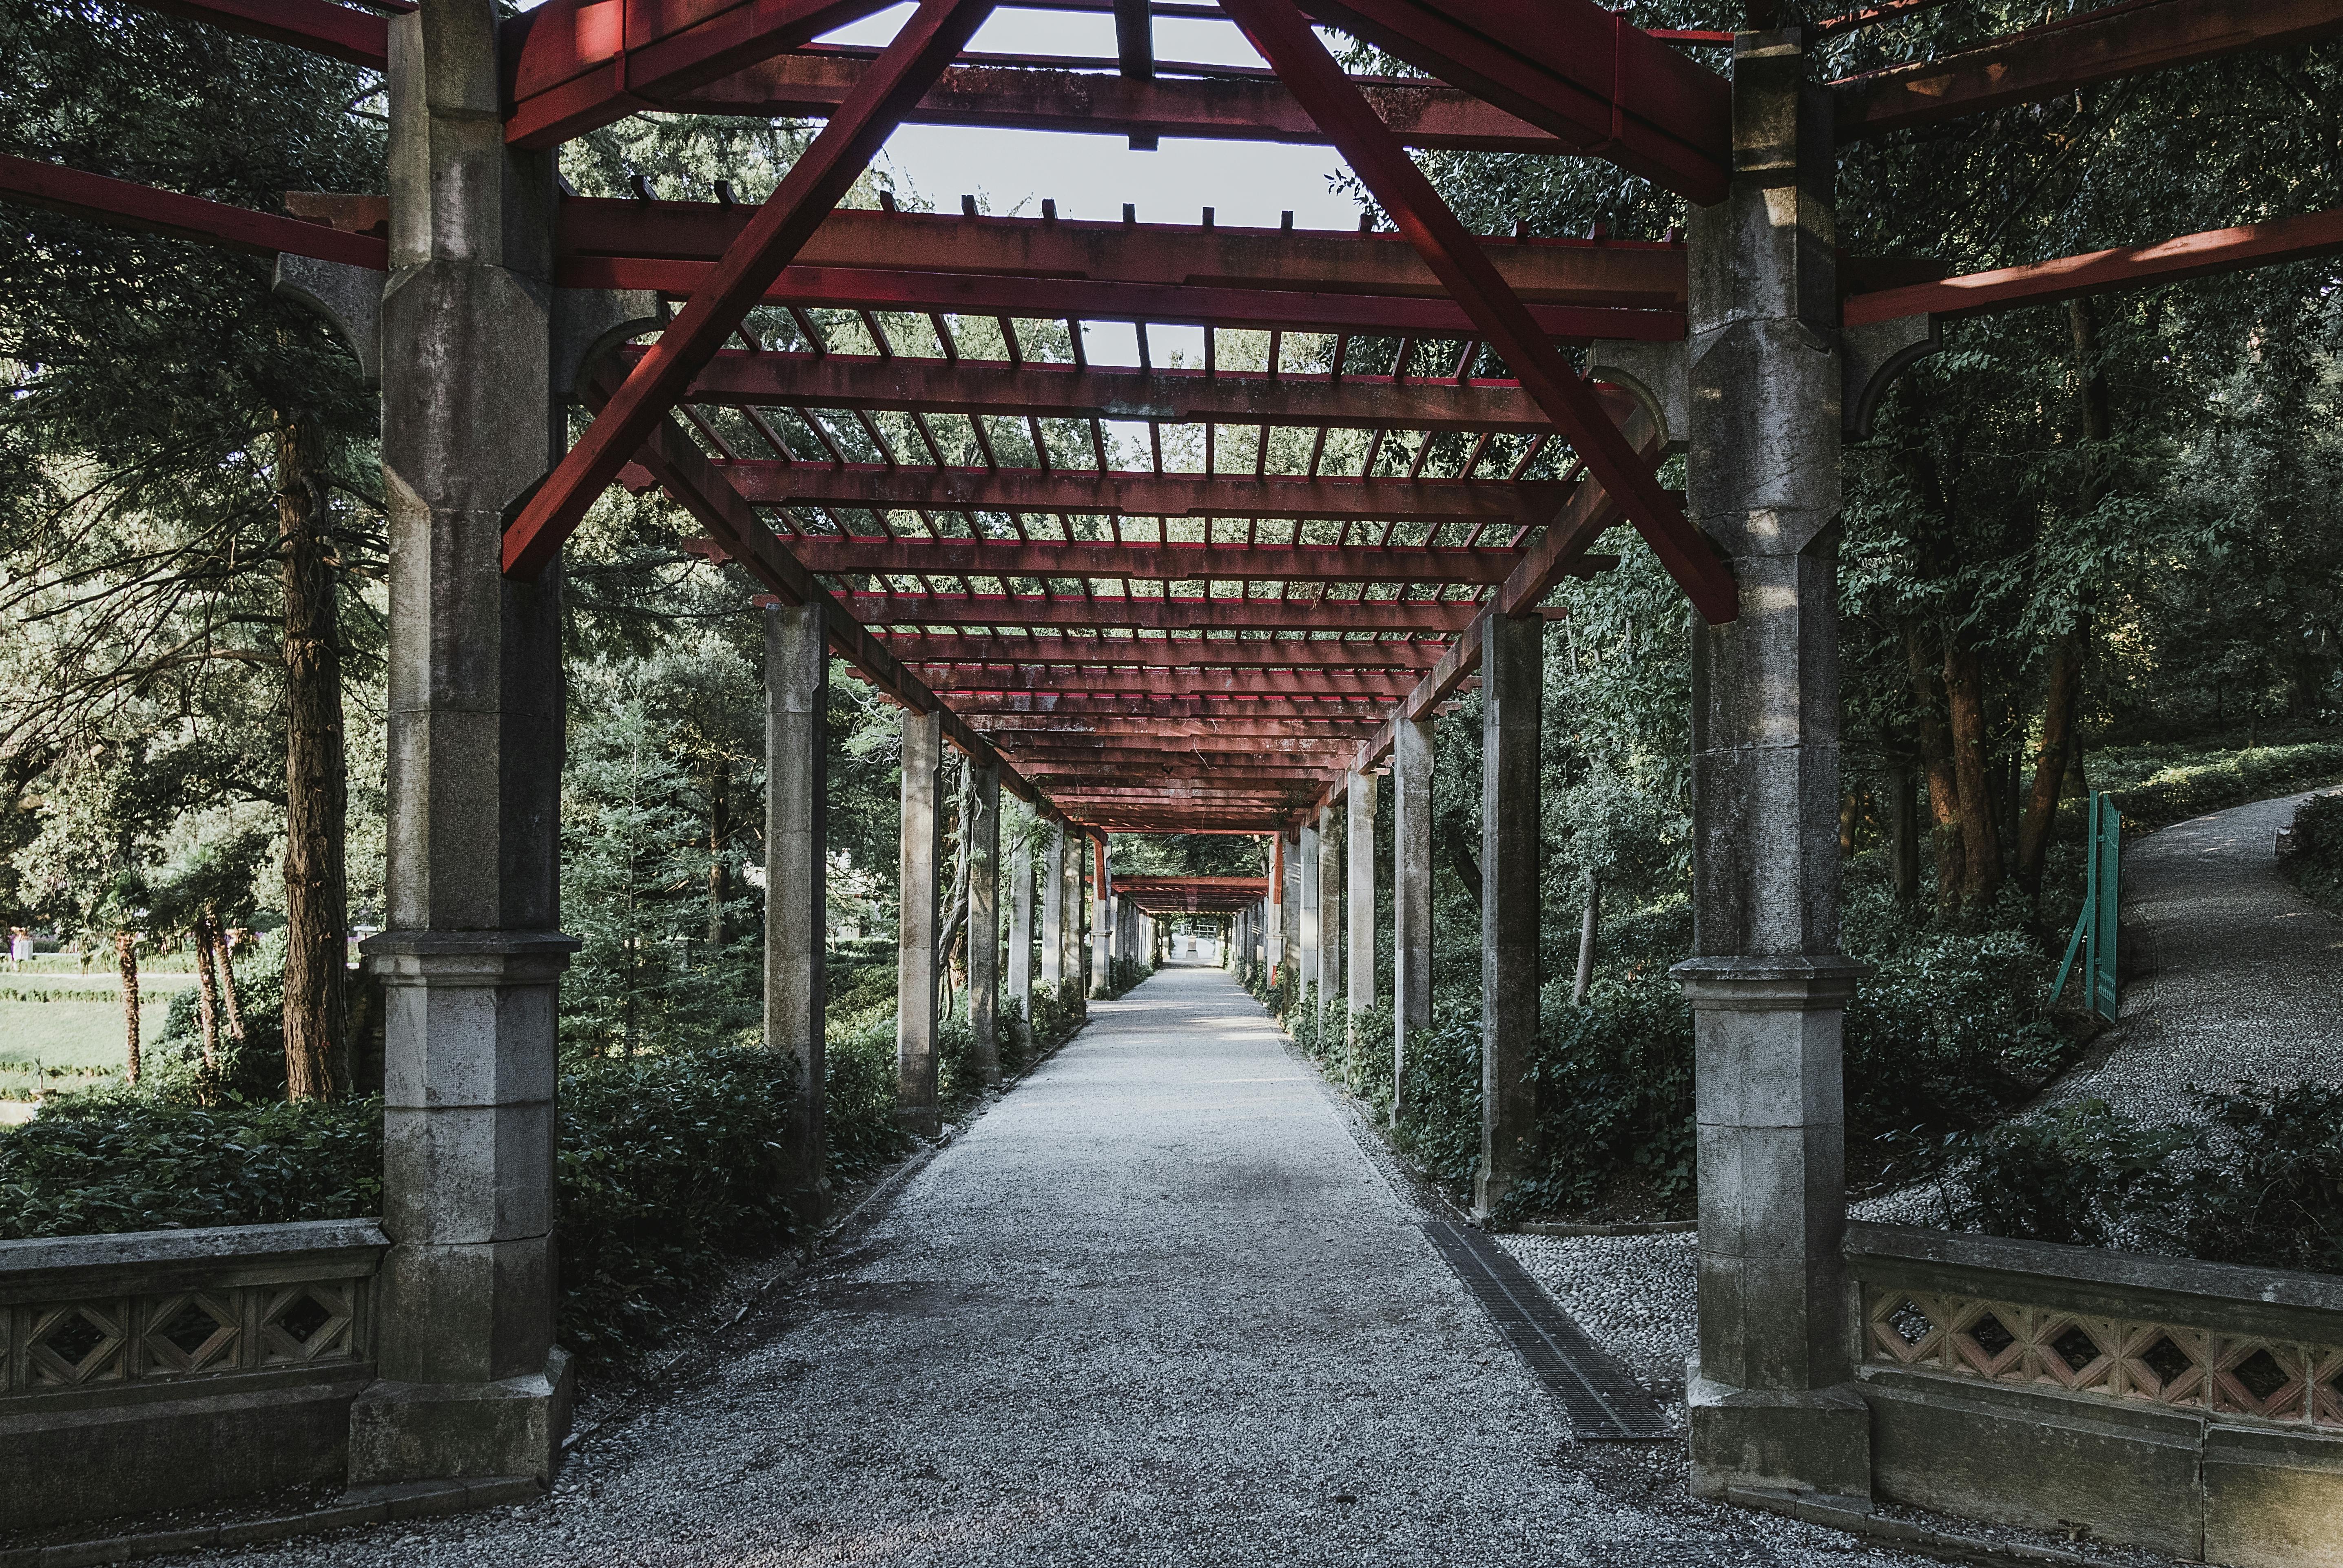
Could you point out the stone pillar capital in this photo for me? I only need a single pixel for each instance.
(1795, 982)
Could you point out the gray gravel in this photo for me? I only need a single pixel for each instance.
(1154, 1306)
(1635, 1296)
(2231, 976)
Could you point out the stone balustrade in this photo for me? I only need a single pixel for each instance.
(160, 1368)
(2191, 1408)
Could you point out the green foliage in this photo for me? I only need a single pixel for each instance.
(255, 1068)
(2176, 794)
(859, 1079)
(1058, 1012)
(1123, 973)
(669, 1166)
(2316, 864)
(122, 1161)
(636, 879)
(2259, 1181)
(1439, 1128)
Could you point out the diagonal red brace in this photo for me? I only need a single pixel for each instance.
(1280, 31)
(935, 34)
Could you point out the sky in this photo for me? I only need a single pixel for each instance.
(1247, 184)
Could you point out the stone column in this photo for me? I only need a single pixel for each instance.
(1102, 922)
(1411, 896)
(1513, 687)
(797, 874)
(915, 926)
(984, 921)
(1069, 930)
(1306, 874)
(1330, 917)
(469, 1380)
(1289, 917)
(1359, 996)
(1770, 1398)
(1020, 934)
(1053, 907)
(1273, 919)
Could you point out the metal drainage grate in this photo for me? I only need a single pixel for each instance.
(1603, 1403)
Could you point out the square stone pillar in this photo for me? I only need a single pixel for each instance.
(1101, 921)
(1053, 907)
(1070, 929)
(916, 976)
(1289, 916)
(1272, 917)
(1771, 1402)
(797, 875)
(1512, 694)
(1330, 917)
(1359, 905)
(471, 1382)
(984, 921)
(1020, 935)
(1308, 899)
(1411, 896)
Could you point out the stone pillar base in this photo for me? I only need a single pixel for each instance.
(430, 1432)
(1806, 1440)
(924, 1123)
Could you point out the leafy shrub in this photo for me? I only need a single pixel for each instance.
(2259, 1181)
(1370, 1063)
(669, 1166)
(1058, 1012)
(1614, 1096)
(1440, 1127)
(126, 1160)
(2316, 864)
(2177, 793)
(859, 1089)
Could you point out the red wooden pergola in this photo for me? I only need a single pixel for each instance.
(1161, 648)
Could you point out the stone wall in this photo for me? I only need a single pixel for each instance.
(2192, 1408)
(162, 1368)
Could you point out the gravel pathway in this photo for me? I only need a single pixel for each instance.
(1155, 1306)
(2230, 975)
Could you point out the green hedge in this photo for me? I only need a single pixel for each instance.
(2258, 1182)
(117, 1160)
(2316, 864)
(2178, 793)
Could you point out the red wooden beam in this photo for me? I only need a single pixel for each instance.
(1356, 684)
(1384, 615)
(1600, 84)
(1174, 562)
(978, 294)
(821, 175)
(1326, 716)
(1169, 652)
(1029, 724)
(1560, 550)
(573, 64)
(2125, 267)
(1422, 114)
(1622, 274)
(318, 25)
(123, 204)
(1174, 394)
(1279, 32)
(2100, 45)
(769, 482)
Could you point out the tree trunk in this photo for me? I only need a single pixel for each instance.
(126, 953)
(1936, 757)
(1850, 814)
(1458, 850)
(315, 790)
(227, 977)
(1965, 713)
(206, 996)
(2050, 760)
(1588, 926)
(1904, 831)
(720, 869)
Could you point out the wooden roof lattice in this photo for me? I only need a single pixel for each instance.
(1171, 597)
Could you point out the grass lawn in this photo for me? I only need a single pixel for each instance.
(73, 1035)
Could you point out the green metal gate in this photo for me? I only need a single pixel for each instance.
(2095, 929)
